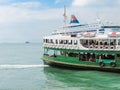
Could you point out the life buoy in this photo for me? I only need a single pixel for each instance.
(113, 64)
(102, 64)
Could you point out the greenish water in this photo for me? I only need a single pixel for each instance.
(17, 74)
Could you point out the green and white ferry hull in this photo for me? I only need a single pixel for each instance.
(77, 63)
(89, 47)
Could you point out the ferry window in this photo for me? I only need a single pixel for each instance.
(118, 56)
(51, 40)
(75, 42)
(105, 56)
(73, 35)
(96, 42)
(83, 41)
(70, 42)
(101, 43)
(46, 40)
(119, 42)
(105, 43)
(56, 41)
(101, 30)
(61, 41)
(65, 41)
(112, 41)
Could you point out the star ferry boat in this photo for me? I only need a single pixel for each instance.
(84, 46)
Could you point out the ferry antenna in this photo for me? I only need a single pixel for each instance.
(65, 16)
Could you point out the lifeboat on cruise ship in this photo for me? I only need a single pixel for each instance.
(89, 34)
(114, 34)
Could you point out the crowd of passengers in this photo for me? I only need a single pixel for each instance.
(94, 43)
(82, 57)
(86, 43)
(89, 56)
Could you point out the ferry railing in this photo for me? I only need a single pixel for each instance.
(103, 47)
(118, 47)
(79, 46)
(45, 45)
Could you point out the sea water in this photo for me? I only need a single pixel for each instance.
(21, 68)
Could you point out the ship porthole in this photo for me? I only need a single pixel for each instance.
(102, 64)
(113, 64)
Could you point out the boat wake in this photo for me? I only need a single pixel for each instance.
(17, 66)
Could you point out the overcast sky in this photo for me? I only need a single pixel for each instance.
(30, 20)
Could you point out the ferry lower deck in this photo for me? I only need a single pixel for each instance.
(73, 63)
(89, 60)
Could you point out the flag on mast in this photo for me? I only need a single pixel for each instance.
(73, 19)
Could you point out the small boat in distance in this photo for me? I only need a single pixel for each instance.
(27, 42)
(84, 46)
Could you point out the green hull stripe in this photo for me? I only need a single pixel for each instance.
(86, 51)
(74, 62)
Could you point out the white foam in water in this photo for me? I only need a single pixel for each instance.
(7, 66)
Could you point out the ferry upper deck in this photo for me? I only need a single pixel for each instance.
(84, 41)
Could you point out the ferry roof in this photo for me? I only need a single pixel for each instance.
(110, 26)
(57, 37)
(66, 36)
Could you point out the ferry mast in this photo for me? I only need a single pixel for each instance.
(65, 17)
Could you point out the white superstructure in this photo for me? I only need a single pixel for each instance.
(85, 37)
